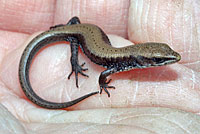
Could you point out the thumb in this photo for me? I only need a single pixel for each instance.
(172, 22)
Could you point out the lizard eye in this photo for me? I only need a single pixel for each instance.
(158, 60)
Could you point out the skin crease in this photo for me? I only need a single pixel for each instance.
(174, 86)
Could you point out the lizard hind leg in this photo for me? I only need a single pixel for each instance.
(76, 67)
(72, 21)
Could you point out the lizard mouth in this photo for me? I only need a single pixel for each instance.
(166, 60)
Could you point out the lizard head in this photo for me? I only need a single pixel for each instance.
(156, 54)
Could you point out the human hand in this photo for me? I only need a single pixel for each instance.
(174, 86)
